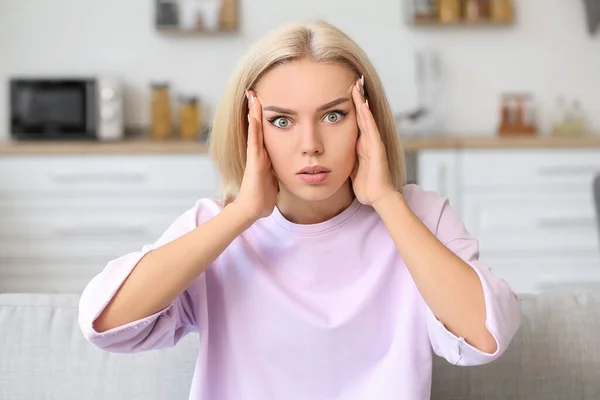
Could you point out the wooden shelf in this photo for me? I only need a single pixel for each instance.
(460, 13)
(176, 31)
(464, 23)
(167, 19)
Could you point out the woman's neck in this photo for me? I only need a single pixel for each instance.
(300, 211)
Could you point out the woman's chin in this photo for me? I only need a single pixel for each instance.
(318, 192)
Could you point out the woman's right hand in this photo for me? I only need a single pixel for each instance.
(259, 188)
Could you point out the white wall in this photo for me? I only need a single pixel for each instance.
(546, 55)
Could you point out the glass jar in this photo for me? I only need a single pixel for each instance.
(474, 10)
(501, 11)
(449, 11)
(424, 10)
(189, 118)
(161, 115)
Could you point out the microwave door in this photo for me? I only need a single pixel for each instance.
(52, 109)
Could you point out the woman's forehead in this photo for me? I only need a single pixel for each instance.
(305, 83)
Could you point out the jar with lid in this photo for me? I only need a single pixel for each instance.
(474, 10)
(161, 114)
(424, 10)
(501, 10)
(449, 11)
(189, 118)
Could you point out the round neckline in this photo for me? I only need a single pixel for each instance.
(320, 227)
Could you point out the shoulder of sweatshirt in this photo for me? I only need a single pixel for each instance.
(427, 205)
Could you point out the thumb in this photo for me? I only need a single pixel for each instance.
(354, 171)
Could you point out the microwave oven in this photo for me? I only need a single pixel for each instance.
(66, 108)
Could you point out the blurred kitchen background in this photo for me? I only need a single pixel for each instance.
(107, 104)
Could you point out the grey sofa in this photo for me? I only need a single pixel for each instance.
(555, 356)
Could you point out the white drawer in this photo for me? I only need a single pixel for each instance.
(57, 283)
(534, 224)
(67, 225)
(78, 202)
(108, 173)
(38, 274)
(526, 168)
(103, 248)
(535, 274)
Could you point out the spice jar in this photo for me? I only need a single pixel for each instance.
(501, 10)
(449, 11)
(424, 10)
(189, 121)
(474, 10)
(161, 114)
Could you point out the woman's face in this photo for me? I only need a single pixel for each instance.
(310, 128)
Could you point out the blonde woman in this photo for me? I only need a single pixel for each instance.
(322, 275)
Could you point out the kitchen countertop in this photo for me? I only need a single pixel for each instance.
(500, 142)
(128, 146)
(145, 146)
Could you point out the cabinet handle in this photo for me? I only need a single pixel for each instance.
(96, 230)
(569, 170)
(101, 177)
(566, 222)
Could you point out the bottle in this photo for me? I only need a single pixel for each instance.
(189, 122)
(161, 126)
(577, 119)
(424, 10)
(449, 11)
(559, 116)
(473, 10)
(501, 11)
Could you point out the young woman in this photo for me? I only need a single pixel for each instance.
(321, 275)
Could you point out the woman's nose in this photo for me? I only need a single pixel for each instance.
(311, 142)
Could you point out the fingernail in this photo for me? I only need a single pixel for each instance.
(252, 99)
(248, 118)
(362, 81)
(367, 103)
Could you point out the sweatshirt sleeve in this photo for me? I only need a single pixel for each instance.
(503, 316)
(162, 329)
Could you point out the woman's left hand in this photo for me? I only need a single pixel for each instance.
(371, 179)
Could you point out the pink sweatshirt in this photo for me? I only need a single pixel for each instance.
(324, 311)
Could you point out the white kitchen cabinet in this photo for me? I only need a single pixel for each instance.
(533, 213)
(62, 218)
(532, 210)
(437, 171)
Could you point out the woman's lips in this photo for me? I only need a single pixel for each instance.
(313, 177)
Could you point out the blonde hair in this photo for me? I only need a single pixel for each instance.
(314, 40)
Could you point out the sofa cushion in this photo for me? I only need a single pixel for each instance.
(554, 356)
(43, 354)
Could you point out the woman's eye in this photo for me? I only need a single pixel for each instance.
(334, 116)
(281, 122)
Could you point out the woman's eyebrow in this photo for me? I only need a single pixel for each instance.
(333, 103)
(324, 107)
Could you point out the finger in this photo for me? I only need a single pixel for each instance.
(354, 171)
(357, 99)
(252, 130)
(369, 121)
(256, 112)
(252, 137)
(259, 120)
